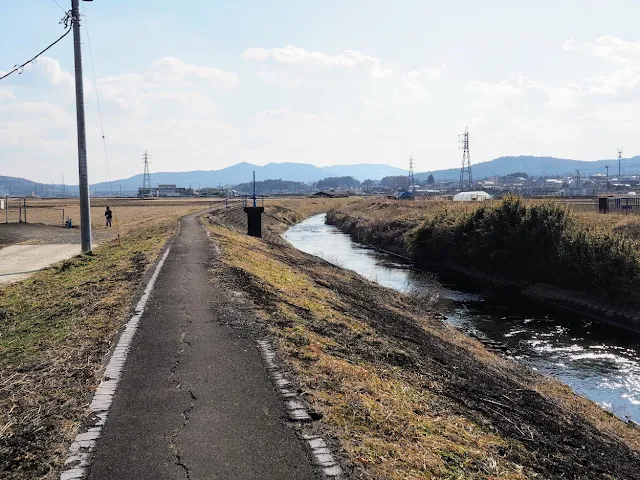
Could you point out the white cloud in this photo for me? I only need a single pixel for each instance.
(611, 49)
(275, 113)
(608, 47)
(175, 67)
(44, 72)
(170, 108)
(298, 56)
(415, 80)
(626, 77)
(21, 120)
(272, 75)
(369, 105)
(517, 86)
(168, 80)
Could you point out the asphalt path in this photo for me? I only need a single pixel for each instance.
(195, 400)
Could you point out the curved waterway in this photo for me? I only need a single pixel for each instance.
(599, 361)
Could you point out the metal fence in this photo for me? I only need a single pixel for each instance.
(617, 205)
(629, 205)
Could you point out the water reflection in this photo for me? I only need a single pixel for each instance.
(599, 361)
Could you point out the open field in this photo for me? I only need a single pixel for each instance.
(129, 213)
(55, 329)
(403, 395)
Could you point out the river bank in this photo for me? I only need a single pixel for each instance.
(406, 396)
(538, 251)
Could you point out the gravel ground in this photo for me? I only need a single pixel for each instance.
(36, 234)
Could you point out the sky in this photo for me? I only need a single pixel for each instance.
(203, 85)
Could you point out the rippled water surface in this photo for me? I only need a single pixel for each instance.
(599, 361)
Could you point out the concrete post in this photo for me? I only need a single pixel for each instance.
(85, 203)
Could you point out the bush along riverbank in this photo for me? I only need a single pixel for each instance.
(513, 243)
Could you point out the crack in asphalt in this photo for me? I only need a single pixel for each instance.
(185, 413)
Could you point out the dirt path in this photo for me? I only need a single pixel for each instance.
(37, 234)
(195, 400)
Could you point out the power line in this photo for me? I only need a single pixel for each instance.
(67, 24)
(61, 7)
(95, 87)
(104, 140)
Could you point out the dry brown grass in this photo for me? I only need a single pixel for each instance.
(393, 412)
(386, 424)
(129, 214)
(55, 329)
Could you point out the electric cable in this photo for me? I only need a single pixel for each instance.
(61, 7)
(104, 140)
(21, 67)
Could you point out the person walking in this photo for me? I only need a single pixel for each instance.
(108, 214)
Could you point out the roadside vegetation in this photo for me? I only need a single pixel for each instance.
(55, 329)
(532, 241)
(404, 395)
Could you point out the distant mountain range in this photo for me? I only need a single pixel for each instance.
(303, 172)
(242, 173)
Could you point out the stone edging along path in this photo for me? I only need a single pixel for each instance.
(82, 448)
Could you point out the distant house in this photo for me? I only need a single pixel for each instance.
(165, 190)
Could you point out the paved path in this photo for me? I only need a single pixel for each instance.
(18, 262)
(195, 401)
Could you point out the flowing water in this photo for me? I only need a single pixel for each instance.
(599, 361)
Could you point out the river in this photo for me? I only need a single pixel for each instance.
(599, 361)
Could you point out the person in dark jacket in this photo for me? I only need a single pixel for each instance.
(108, 214)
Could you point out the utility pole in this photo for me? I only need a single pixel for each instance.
(607, 185)
(85, 202)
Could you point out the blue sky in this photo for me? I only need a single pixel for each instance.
(203, 85)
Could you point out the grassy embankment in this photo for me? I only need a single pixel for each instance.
(532, 241)
(55, 329)
(408, 397)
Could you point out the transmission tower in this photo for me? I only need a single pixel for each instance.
(146, 181)
(412, 181)
(466, 180)
(619, 162)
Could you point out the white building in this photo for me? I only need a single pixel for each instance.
(472, 197)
